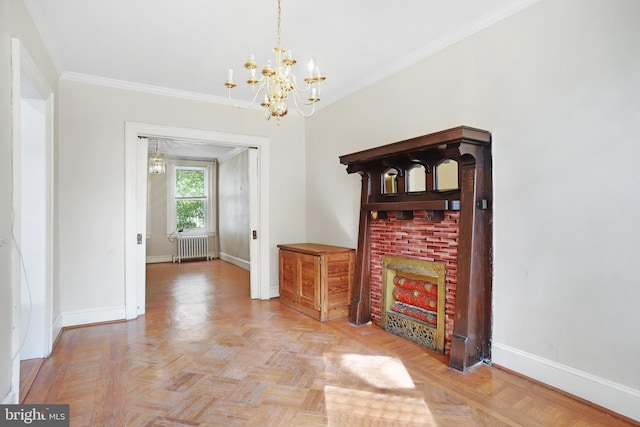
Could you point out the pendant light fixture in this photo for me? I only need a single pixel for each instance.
(157, 161)
(279, 85)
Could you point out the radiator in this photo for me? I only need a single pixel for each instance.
(192, 247)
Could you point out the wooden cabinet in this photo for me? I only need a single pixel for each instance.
(317, 280)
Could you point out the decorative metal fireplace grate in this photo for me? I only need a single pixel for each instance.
(413, 300)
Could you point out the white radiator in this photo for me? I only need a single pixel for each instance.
(191, 247)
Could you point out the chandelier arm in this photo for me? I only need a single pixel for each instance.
(253, 101)
(296, 97)
(306, 116)
(297, 86)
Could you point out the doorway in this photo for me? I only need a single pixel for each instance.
(136, 148)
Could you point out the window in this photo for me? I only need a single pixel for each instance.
(189, 198)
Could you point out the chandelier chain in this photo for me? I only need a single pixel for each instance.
(279, 17)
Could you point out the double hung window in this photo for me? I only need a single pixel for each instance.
(189, 199)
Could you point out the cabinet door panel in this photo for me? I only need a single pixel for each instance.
(309, 281)
(288, 273)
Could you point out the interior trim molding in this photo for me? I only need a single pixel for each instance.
(56, 331)
(608, 394)
(235, 261)
(10, 399)
(96, 315)
(146, 88)
(231, 154)
(159, 258)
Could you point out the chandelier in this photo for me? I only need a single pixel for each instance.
(157, 161)
(279, 85)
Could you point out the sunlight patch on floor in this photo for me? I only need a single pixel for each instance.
(379, 371)
(372, 390)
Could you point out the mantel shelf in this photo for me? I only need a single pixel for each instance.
(414, 205)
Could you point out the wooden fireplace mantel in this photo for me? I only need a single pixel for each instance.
(471, 149)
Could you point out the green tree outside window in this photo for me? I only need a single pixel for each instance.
(191, 195)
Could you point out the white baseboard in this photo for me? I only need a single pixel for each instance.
(274, 290)
(56, 329)
(159, 258)
(10, 399)
(98, 315)
(608, 394)
(236, 261)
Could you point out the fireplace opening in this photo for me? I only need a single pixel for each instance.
(413, 300)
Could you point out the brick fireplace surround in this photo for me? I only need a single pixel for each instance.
(451, 226)
(416, 239)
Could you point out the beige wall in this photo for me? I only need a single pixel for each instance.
(557, 85)
(233, 208)
(91, 181)
(14, 22)
(158, 246)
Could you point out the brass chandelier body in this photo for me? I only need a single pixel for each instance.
(279, 84)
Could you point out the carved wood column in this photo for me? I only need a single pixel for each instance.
(361, 305)
(464, 341)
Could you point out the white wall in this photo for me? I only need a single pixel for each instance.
(558, 86)
(91, 184)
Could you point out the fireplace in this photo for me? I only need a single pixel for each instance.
(413, 295)
(413, 206)
(422, 239)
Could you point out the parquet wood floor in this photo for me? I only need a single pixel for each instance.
(28, 371)
(205, 354)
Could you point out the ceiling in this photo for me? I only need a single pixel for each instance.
(187, 47)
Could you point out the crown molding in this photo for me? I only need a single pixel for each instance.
(437, 45)
(232, 153)
(141, 87)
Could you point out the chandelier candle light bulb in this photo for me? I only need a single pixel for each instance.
(279, 85)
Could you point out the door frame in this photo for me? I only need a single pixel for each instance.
(136, 206)
(22, 63)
